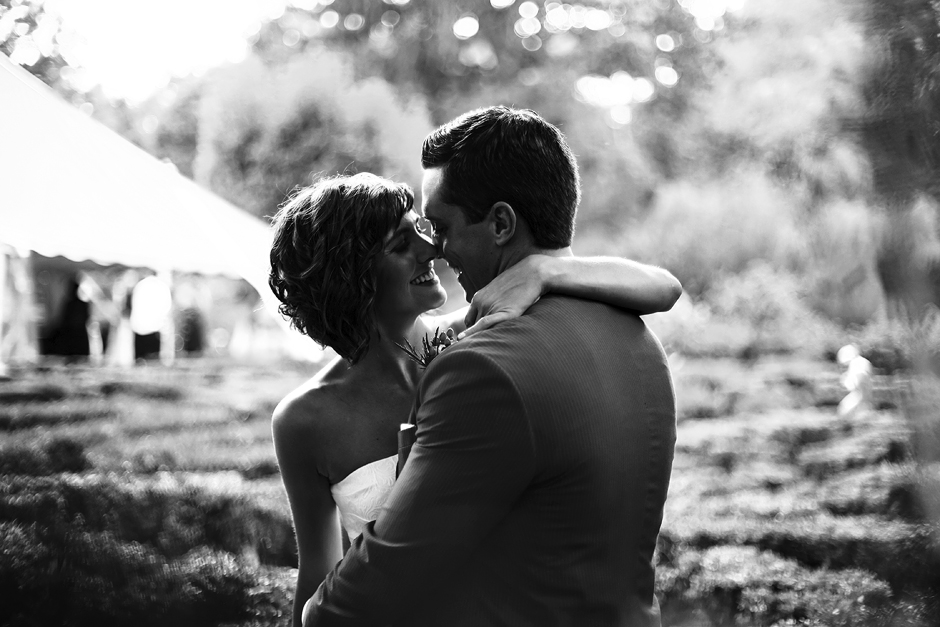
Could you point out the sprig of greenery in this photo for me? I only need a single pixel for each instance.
(430, 348)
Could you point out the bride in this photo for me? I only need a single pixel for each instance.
(354, 271)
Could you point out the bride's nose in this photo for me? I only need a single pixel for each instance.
(426, 249)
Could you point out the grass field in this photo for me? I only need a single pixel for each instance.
(151, 496)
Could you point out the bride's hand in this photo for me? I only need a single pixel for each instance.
(508, 295)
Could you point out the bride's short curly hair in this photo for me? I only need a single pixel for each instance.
(327, 239)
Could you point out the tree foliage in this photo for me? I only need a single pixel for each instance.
(262, 129)
(900, 128)
(901, 124)
(28, 36)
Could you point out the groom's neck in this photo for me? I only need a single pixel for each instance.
(513, 256)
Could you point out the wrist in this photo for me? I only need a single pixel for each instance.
(548, 272)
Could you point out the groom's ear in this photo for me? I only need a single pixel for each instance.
(502, 223)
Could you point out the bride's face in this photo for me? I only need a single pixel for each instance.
(407, 283)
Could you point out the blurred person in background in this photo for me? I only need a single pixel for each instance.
(353, 269)
(104, 316)
(70, 337)
(150, 307)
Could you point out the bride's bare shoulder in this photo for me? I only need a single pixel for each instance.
(310, 409)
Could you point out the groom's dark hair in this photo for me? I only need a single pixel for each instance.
(510, 155)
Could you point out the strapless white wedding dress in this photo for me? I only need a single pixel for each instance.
(360, 496)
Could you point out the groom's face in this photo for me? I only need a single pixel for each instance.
(467, 248)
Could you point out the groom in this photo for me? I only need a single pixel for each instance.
(535, 490)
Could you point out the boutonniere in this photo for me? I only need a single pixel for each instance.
(430, 348)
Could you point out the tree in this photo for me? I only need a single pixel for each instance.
(265, 129)
(900, 128)
(901, 123)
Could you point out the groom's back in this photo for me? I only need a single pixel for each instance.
(577, 546)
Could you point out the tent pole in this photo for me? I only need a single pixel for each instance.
(19, 343)
(26, 327)
(4, 371)
(168, 330)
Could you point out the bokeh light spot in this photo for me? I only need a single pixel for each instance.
(527, 26)
(665, 43)
(149, 124)
(532, 43)
(329, 19)
(617, 30)
(622, 78)
(667, 75)
(643, 89)
(478, 53)
(705, 22)
(621, 115)
(597, 19)
(291, 37)
(354, 22)
(578, 16)
(557, 17)
(379, 35)
(466, 27)
(391, 18)
(602, 91)
(561, 45)
(310, 28)
(25, 52)
(528, 9)
(502, 4)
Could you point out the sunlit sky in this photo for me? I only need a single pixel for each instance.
(133, 47)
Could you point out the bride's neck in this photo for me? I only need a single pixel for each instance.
(386, 358)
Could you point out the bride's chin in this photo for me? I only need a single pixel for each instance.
(436, 303)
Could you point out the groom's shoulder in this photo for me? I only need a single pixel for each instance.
(563, 325)
(554, 312)
(538, 328)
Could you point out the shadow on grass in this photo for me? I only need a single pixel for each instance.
(50, 416)
(109, 550)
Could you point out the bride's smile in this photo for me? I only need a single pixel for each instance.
(428, 278)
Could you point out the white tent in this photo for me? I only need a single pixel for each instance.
(70, 186)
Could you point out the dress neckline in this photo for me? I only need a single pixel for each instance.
(350, 479)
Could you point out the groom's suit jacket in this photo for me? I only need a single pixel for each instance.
(534, 492)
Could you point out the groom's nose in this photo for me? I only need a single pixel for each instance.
(438, 244)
